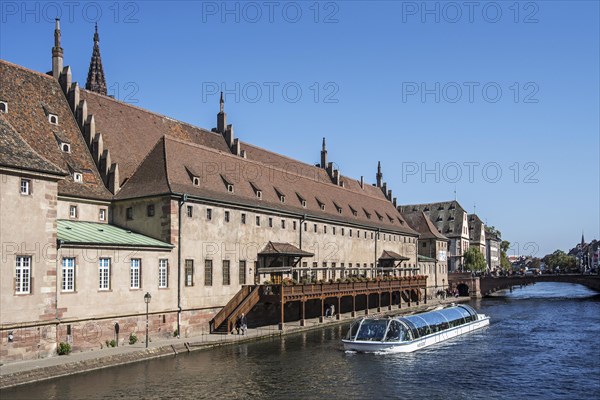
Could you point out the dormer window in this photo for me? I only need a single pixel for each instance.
(321, 204)
(337, 207)
(379, 216)
(257, 190)
(3, 107)
(367, 214)
(78, 177)
(280, 194)
(65, 147)
(302, 200)
(196, 181)
(228, 183)
(53, 119)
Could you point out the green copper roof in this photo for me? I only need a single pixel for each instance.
(93, 233)
(423, 258)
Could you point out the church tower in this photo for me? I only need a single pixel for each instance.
(95, 80)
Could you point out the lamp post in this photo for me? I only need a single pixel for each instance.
(147, 298)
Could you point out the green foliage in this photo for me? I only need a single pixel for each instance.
(474, 260)
(133, 338)
(113, 343)
(175, 333)
(491, 230)
(559, 259)
(504, 263)
(63, 348)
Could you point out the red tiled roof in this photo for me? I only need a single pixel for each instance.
(31, 96)
(130, 132)
(177, 157)
(421, 223)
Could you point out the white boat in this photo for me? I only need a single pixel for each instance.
(413, 332)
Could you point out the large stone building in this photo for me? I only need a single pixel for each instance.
(103, 202)
(477, 233)
(450, 219)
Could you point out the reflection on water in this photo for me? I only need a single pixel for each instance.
(542, 343)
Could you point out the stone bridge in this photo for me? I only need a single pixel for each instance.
(468, 285)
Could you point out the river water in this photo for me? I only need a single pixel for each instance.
(543, 342)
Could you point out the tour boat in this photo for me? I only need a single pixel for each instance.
(413, 332)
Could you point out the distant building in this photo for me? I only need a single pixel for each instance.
(477, 234)
(450, 219)
(493, 251)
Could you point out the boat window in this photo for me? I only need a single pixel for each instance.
(395, 332)
(353, 330)
(372, 330)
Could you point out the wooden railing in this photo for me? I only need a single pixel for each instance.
(244, 307)
(334, 289)
(230, 306)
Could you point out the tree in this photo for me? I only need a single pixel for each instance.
(474, 260)
(504, 263)
(560, 259)
(491, 230)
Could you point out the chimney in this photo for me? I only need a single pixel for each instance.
(330, 169)
(57, 52)
(384, 188)
(362, 182)
(228, 134)
(389, 194)
(395, 202)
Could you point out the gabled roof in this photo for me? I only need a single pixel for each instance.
(130, 132)
(283, 249)
(446, 216)
(164, 170)
(31, 96)
(421, 223)
(391, 255)
(97, 234)
(475, 228)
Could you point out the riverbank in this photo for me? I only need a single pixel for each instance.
(30, 371)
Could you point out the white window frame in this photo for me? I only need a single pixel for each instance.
(135, 273)
(51, 117)
(104, 274)
(73, 211)
(23, 275)
(5, 111)
(102, 214)
(78, 177)
(163, 273)
(68, 274)
(25, 187)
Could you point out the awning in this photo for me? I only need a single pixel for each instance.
(389, 255)
(283, 249)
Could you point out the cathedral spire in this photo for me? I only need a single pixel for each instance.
(221, 116)
(95, 80)
(57, 51)
(379, 175)
(323, 155)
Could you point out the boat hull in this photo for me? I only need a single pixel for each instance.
(413, 345)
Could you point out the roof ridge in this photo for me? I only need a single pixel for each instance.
(185, 142)
(42, 74)
(141, 164)
(147, 111)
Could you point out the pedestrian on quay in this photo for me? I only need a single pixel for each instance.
(332, 311)
(327, 310)
(243, 324)
(238, 324)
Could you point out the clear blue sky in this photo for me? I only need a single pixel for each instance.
(507, 94)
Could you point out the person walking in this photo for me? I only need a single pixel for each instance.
(238, 324)
(243, 324)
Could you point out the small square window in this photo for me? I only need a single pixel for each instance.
(73, 211)
(304, 203)
(150, 210)
(129, 213)
(323, 207)
(65, 147)
(78, 177)
(259, 194)
(226, 216)
(230, 188)
(102, 214)
(196, 181)
(53, 119)
(26, 187)
(190, 211)
(209, 214)
(282, 199)
(3, 107)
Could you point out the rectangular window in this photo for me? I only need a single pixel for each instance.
(324, 228)
(209, 214)
(150, 210)
(23, 275)
(270, 222)
(242, 272)
(68, 274)
(135, 273)
(343, 231)
(102, 214)
(26, 187)
(294, 225)
(243, 218)
(104, 274)
(333, 230)
(226, 273)
(283, 224)
(350, 232)
(129, 213)
(208, 272)
(190, 211)
(226, 216)
(257, 220)
(305, 227)
(189, 272)
(73, 211)
(315, 228)
(163, 273)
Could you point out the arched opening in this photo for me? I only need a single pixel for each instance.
(463, 290)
